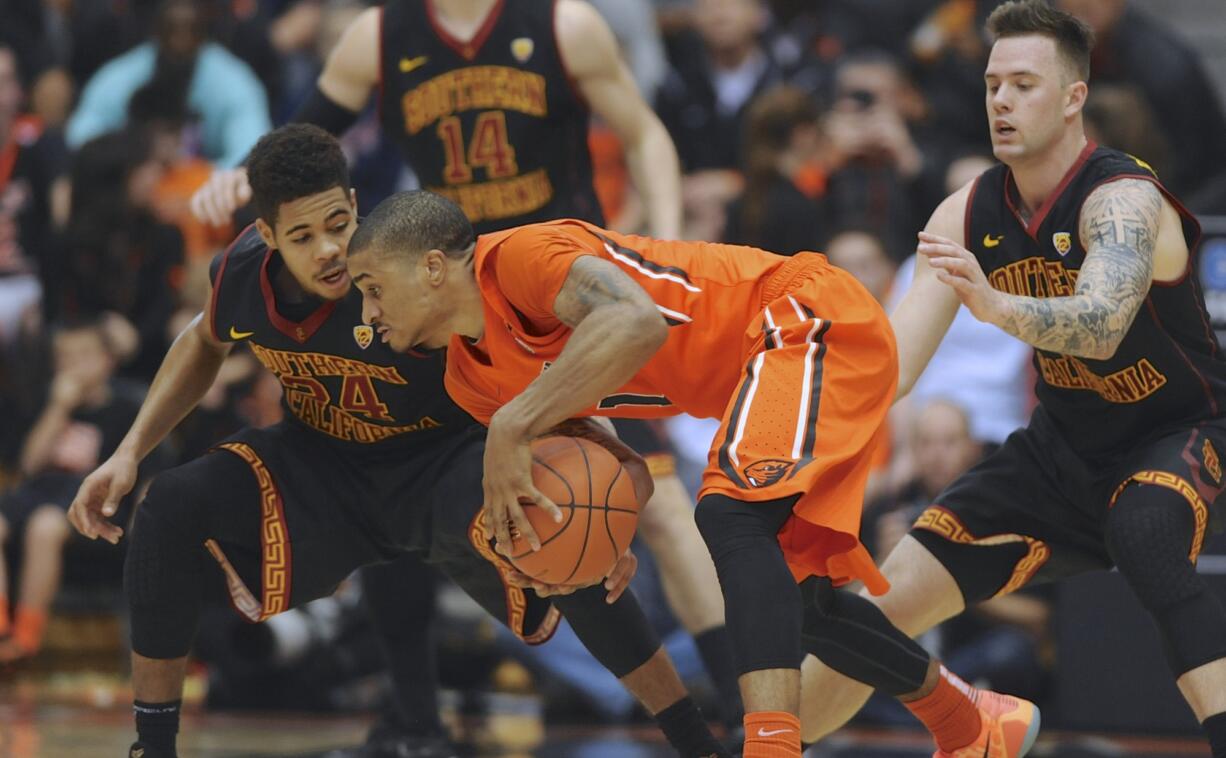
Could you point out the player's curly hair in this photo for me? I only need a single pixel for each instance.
(1074, 39)
(292, 162)
(411, 223)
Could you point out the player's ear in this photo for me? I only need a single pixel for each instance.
(435, 266)
(1076, 98)
(266, 232)
(353, 200)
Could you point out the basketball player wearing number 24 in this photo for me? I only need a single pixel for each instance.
(552, 321)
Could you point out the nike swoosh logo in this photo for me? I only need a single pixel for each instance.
(763, 733)
(408, 64)
(237, 335)
(989, 242)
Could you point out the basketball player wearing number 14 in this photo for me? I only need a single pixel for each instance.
(1081, 252)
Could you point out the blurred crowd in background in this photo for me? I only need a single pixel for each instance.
(831, 125)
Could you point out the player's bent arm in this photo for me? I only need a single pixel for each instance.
(592, 58)
(186, 373)
(922, 318)
(617, 329)
(1118, 228)
(352, 68)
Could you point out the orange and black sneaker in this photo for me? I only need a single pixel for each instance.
(1009, 727)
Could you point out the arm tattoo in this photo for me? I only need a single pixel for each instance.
(594, 282)
(1119, 226)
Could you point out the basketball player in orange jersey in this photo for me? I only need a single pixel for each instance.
(489, 103)
(550, 321)
(1081, 252)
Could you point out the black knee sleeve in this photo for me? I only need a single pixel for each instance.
(852, 636)
(162, 573)
(164, 570)
(617, 635)
(761, 603)
(1149, 535)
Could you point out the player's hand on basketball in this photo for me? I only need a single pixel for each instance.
(507, 483)
(619, 578)
(959, 268)
(98, 498)
(226, 191)
(615, 583)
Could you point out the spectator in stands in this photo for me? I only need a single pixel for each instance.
(228, 98)
(31, 168)
(864, 254)
(1134, 47)
(778, 210)
(716, 75)
(86, 415)
(117, 255)
(886, 164)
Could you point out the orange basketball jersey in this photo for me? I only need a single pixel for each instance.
(792, 354)
(706, 292)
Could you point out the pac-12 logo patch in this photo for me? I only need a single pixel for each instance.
(521, 48)
(363, 335)
(1063, 242)
(766, 472)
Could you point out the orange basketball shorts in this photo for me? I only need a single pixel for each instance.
(820, 371)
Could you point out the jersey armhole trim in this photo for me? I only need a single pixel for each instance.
(966, 213)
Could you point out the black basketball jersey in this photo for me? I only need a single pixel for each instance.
(494, 124)
(1168, 371)
(338, 378)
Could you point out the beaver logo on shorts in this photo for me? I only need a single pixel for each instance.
(766, 472)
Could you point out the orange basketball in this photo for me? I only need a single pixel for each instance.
(599, 513)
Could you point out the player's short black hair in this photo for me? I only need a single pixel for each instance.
(1074, 39)
(292, 162)
(410, 223)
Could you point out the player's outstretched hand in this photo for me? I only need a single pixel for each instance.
(98, 499)
(616, 583)
(507, 483)
(959, 268)
(226, 191)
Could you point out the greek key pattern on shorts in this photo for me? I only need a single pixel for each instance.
(517, 602)
(941, 521)
(1183, 487)
(274, 535)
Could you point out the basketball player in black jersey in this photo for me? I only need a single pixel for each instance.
(1081, 252)
(372, 460)
(489, 101)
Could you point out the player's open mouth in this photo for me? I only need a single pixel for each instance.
(334, 278)
(1003, 129)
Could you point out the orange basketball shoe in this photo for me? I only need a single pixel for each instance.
(1009, 728)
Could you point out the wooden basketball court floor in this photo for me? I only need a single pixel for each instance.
(48, 731)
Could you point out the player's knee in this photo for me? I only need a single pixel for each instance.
(48, 526)
(1149, 533)
(728, 525)
(162, 570)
